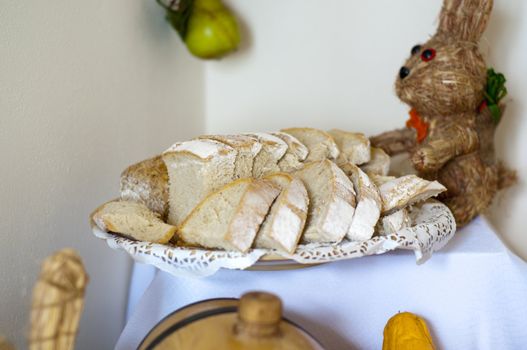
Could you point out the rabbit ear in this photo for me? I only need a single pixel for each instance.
(464, 20)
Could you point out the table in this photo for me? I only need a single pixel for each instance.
(473, 294)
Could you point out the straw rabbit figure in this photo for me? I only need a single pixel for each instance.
(443, 81)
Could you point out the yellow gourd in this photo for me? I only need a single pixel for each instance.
(406, 331)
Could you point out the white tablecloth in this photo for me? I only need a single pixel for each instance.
(473, 295)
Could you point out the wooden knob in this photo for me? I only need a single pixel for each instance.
(259, 314)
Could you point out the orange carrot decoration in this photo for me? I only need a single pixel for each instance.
(418, 124)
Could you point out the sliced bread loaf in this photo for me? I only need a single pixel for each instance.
(369, 204)
(354, 147)
(379, 163)
(296, 153)
(230, 217)
(133, 220)
(407, 190)
(331, 202)
(380, 180)
(284, 224)
(319, 143)
(195, 169)
(147, 182)
(273, 149)
(247, 149)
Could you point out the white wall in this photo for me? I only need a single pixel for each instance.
(86, 88)
(333, 63)
(507, 36)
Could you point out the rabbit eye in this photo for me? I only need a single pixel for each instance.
(416, 49)
(428, 55)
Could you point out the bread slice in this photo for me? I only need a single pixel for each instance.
(379, 163)
(380, 180)
(331, 202)
(273, 149)
(247, 149)
(394, 222)
(147, 182)
(369, 204)
(230, 217)
(133, 220)
(195, 169)
(296, 153)
(319, 143)
(354, 147)
(407, 190)
(285, 222)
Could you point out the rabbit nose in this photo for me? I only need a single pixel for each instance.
(404, 72)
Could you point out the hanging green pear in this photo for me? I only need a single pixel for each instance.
(208, 28)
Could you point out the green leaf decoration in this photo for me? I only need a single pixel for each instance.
(495, 112)
(495, 92)
(177, 14)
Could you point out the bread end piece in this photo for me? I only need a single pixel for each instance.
(134, 220)
(146, 182)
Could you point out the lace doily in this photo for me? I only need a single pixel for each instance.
(433, 226)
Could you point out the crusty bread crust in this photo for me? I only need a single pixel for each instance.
(273, 150)
(320, 144)
(405, 191)
(247, 149)
(199, 149)
(354, 147)
(296, 153)
(147, 182)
